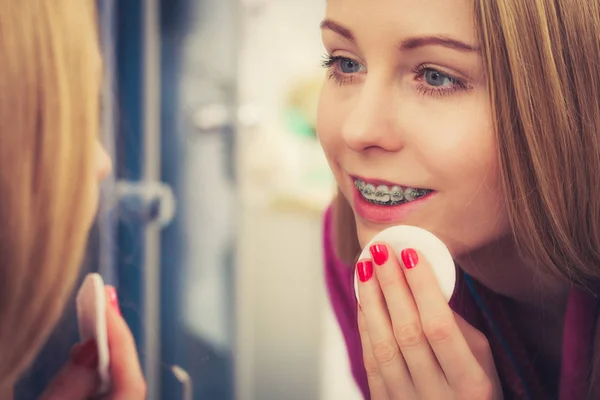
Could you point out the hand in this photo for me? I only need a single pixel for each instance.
(414, 346)
(78, 380)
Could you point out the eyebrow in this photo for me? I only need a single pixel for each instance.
(407, 44)
(440, 40)
(337, 28)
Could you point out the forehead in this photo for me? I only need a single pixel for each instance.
(400, 18)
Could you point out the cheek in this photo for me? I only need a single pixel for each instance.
(460, 154)
(458, 148)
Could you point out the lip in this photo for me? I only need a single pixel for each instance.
(385, 214)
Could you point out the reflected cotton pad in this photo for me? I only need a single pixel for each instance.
(426, 243)
(91, 317)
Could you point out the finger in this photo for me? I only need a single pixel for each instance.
(78, 379)
(383, 345)
(127, 379)
(376, 384)
(426, 373)
(439, 326)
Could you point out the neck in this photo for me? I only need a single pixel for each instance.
(499, 267)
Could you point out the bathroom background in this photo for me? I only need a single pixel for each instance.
(210, 226)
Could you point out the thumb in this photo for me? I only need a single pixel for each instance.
(480, 347)
(476, 340)
(78, 379)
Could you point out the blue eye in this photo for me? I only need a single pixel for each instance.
(437, 79)
(348, 66)
(436, 83)
(342, 70)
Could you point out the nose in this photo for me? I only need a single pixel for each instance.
(373, 123)
(103, 162)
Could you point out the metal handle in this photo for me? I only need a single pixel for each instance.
(149, 202)
(186, 382)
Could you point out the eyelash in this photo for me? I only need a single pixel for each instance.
(459, 85)
(330, 63)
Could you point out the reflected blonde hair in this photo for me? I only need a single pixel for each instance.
(542, 61)
(49, 100)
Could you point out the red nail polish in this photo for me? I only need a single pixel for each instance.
(365, 270)
(410, 258)
(113, 299)
(86, 355)
(379, 253)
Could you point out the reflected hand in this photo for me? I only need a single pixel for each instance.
(414, 345)
(78, 380)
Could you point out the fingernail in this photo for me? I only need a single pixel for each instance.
(410, 258)
(113, 299)
(86, 355)
(365, 270)
(379, 253)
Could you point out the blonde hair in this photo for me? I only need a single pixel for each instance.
(542, 62)
(543, 67)
(49, 100)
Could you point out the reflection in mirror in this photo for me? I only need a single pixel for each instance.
(210, 225)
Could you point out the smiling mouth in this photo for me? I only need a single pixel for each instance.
(386, 195)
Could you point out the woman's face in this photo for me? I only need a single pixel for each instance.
(405, 120)
(103, 163)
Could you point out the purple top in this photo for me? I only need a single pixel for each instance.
(486, 312)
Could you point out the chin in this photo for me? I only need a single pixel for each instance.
(365, 234)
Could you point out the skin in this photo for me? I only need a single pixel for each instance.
(383, 116)
(74, 382)
(379, 124)
(103, 164)
(414, 346)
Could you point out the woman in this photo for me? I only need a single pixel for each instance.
(50, 166)
(479, 121)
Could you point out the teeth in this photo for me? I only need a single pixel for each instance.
(383, 194)
(397, 193)
(410, 194)
(369, 192)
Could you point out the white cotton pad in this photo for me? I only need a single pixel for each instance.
(426, 243)
(91, 317)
